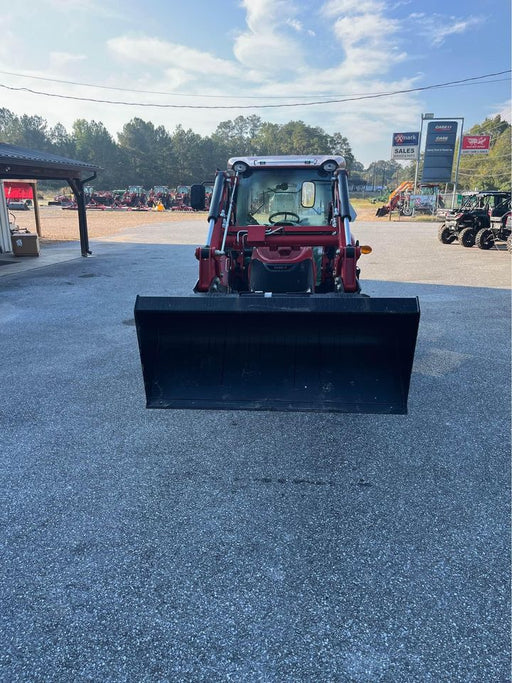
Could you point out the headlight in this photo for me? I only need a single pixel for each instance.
(329, 166)
(240, 167)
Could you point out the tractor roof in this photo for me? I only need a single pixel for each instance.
(295, 161)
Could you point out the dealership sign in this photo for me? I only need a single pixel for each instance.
(476, 144)
(404, 146)
(439, 151)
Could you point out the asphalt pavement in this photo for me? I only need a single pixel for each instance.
(252, 546)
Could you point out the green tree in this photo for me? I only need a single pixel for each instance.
(267, 140)
(94, 143)
(339, 144)
(62, 142)
(383, 173)
(7, 119)
(189, 162)
(27, 131)
(145, 154)
(294, 137)
(356, 174)
(147, 151)
(237, 137)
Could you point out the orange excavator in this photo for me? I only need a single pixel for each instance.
(396, 200)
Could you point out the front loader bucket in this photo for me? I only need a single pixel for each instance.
(330, 353)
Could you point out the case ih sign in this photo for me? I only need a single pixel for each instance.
(404, 146)
(476, 144)
(439, 151)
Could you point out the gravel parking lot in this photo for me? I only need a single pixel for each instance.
(236, 546)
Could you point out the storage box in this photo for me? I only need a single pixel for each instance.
(25, 244)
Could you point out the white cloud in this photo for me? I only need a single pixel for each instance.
(504, 110)
(264, 15)
(269, 60)
(457, 26)
(160, 53)
(9, 43)
(437, 28)
(268, 55)
(173, 79)
(295, 24)
(267, 48)
(62, 59)
(360, 28)
(298, 26)
(369, 37)
(334, 8)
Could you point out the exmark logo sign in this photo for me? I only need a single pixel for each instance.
(404, 146)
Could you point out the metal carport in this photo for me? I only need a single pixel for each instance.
(21, 164)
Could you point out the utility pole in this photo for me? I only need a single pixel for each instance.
(458, 163)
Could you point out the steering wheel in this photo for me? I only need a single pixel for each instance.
(295, 217)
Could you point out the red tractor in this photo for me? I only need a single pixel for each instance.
(278, 321)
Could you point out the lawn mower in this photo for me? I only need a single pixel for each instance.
(278, 320)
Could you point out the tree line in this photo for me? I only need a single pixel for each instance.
(149, 155)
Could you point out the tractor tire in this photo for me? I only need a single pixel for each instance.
(484, 239)
(467, 237)
(509, 243)
(406, 211)
(445, 235)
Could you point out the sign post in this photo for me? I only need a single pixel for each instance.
(458, 162)
(424, 117)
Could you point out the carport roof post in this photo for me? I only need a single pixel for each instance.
(19, 162)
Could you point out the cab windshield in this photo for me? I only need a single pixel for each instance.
(283, 196)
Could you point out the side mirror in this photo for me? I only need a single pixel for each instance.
(198, 197)
(308, 194)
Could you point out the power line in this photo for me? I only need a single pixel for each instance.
(239, 97)
(152, 92)
(257, 106)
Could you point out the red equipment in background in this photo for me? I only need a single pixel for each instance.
(17, 192)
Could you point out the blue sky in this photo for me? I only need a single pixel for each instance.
(256, 52)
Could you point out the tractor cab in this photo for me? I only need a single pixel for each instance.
(298, 193)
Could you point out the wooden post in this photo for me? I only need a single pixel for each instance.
(37, 215)
(78, 190)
